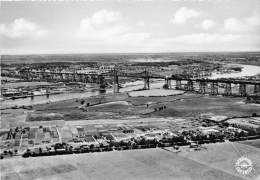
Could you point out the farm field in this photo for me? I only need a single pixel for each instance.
(135, 164)
(223, 156)
(254, 143)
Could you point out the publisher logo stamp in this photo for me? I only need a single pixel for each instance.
(244, 165)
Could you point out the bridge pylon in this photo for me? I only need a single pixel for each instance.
(61, 77)
(228, 89)
(146, 80)
(242, 89)
(202, 87)
(27, 75)
(257, 88)
(167, 83)
(214, 88)
(101, 81)
(67, 77)
(85, 78)
(178, 84)
(116, 82)
(190, 85)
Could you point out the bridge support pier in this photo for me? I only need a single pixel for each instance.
(30, 77)
(73, 77)
(67, 77)
(76, 77)
(167, 83)
(40, 75)
(242, 90)
(146, 80)
(47, 77)
(190, 85)
(257, 88)
(178, 84)
(86, 78)
(80, 78)
(202, 87)
(116, 82)
(214, 88)
(228, 89)
(47, 91)
(61, 77)
(101, 81)
(91, 78)
(51, 77)
(27, 76)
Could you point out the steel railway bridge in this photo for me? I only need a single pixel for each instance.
(200, 85)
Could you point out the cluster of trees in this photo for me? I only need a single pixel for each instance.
(17, 131)
(64, 148)
(208, 138)
(204, 138)
(168, 63)
(8, 153)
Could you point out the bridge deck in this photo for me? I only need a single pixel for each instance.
(151, 76)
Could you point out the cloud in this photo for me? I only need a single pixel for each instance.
(207, 24)
(183, 14)
(140, 23)
(21, 28)
(88, 30)
(105, 17)
(245, 25)
(234, 25)
(136, 36)
(107, 27)
(102, 24)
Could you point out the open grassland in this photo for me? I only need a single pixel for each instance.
(154, 92)
(186, 105)
(12, 117)
(192, 105)
(216, 163)
(121, 106)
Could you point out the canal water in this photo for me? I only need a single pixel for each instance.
(247, 70)
(130, 86)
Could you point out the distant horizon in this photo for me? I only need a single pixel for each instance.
(118, 53)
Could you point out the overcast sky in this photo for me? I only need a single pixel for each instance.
(129, 26)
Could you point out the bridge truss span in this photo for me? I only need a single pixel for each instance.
(201, 85)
